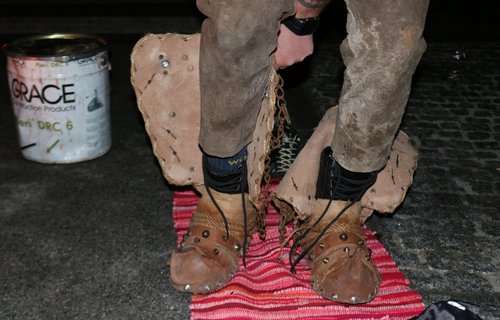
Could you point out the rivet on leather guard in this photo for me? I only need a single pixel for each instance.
(165, 64)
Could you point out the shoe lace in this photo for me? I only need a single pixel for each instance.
(245, 214)
(340, 188)
(301, 236)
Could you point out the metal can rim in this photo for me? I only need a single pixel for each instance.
(11, 49)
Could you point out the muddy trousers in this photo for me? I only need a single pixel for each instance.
(381, 51)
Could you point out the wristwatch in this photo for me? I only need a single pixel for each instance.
(302, 27)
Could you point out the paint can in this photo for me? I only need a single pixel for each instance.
(60, 93)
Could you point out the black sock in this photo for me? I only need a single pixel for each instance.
(226, 175)
(337, 183)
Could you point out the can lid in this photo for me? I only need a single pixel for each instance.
(67, 46)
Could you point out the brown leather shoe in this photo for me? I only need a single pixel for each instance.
(208, 258)
(341, 269)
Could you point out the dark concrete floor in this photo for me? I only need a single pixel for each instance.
(89, 240)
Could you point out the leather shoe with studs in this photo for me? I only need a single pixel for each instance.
(341, 266)
(208, 258)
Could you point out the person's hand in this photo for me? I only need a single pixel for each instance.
(292, 48)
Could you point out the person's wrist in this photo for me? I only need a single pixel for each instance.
(302, 26)
(309, 8)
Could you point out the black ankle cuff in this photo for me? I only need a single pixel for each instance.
(231, 182)
(337, 183)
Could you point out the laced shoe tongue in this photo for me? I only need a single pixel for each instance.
(231, 179)
(337, 183)
(317, 223)
(237, 184)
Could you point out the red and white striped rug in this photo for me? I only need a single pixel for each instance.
(266, 289)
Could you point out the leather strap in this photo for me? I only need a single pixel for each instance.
(345, 240)
(302, 27)
(200, 236)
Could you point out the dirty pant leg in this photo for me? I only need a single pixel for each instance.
(237, 41)
(381, 52)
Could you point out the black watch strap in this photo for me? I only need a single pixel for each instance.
(302, 27)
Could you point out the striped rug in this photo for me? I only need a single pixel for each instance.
(266, 289)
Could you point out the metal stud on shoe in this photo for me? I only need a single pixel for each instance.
(216, 252)
(237, 247)
(369, 255)
(322, 245)
(207, 287)
(205, 234)
(187, 287)
(354, 299)
(343, 237)
(335, 296)
(326, 260)
(361, 242)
